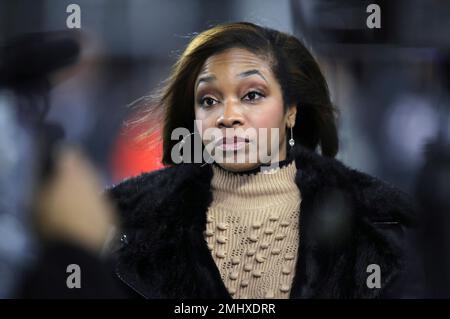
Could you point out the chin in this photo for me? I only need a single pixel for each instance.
(242, 160)
(238, 167)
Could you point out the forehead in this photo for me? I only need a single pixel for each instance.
(234, 60)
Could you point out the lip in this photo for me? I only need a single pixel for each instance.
(232, 144)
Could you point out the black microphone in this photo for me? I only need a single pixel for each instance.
(27, 63)
(32, 58)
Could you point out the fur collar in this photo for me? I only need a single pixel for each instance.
(348, 220)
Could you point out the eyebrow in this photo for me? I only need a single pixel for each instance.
(211, 78)
(208, 78)
(251, 72)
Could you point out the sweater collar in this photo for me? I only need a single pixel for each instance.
(260, 189)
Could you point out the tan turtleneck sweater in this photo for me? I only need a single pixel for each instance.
(252, 231)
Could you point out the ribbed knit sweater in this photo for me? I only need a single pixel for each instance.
(252, 230)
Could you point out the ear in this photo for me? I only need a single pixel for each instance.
(290, 115)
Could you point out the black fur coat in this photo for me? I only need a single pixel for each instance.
(348, 221)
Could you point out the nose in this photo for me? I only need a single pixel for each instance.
(231, 116)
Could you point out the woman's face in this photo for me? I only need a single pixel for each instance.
(236, 92)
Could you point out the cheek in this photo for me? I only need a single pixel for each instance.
(271, 115)
(200, 118)
(206, 120)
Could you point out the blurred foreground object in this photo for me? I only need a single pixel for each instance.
(27, 64)
(74, 222)
(69, 205)
(16, 173)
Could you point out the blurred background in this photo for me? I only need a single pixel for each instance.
(390, 84)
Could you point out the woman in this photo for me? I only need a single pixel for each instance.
(220, 227)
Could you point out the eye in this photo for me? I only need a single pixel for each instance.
(207, 101)
(253, 96)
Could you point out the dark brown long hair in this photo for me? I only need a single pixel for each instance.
(301, 80)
